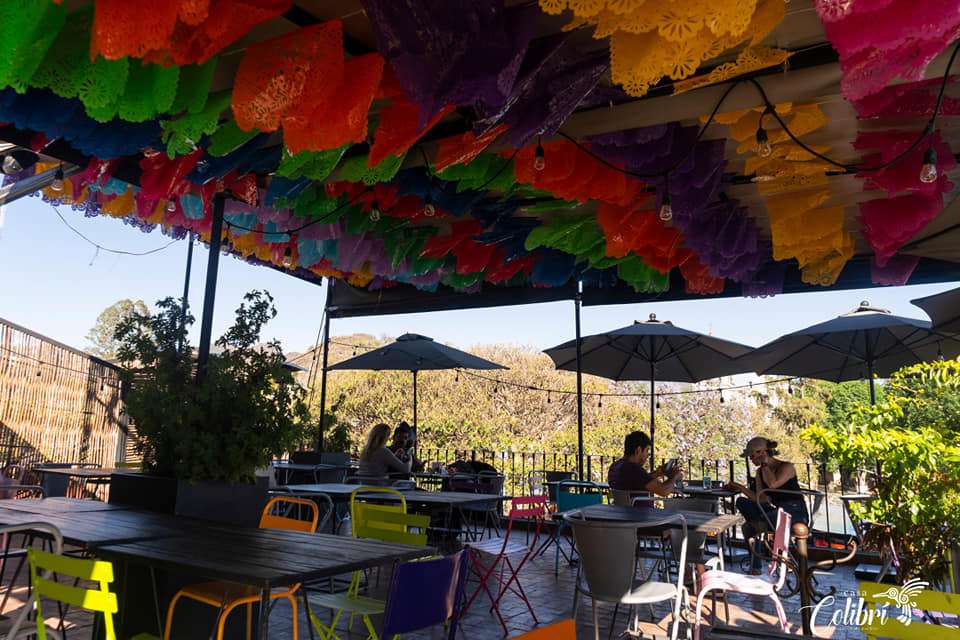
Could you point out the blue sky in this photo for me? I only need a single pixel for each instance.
(53, 283)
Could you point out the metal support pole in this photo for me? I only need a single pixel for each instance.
(414, 402)
(210, 290)
(653, 409)
(873, 392)
(326, 354)
(576, 306)
(186, 291)
(800, 535)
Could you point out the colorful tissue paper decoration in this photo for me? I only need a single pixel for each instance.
(882, 40)
(813, 235)
(651, 40)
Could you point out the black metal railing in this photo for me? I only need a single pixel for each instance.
(517, 466)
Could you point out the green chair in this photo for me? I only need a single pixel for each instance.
(100, 600)
(370, 518)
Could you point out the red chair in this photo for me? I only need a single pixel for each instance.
(533, 509)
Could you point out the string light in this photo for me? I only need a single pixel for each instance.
(789, 387)
(721, 397)
(171, 205)
(287, 257)
(539, 162)
(666, 208)
(658, 402)
(928, 172)
(57, 184)
(457, 377)
(374, 211)
(763, 148)
(548, 397)
(429, 209)
(600, 401)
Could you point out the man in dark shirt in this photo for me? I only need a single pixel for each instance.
(628, 474)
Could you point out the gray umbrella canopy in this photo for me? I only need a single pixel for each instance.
(853, 346)
(413, 352)
(943, 309)
(652, 351)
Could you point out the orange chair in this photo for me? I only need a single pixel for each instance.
(565, 630)
(227, 596)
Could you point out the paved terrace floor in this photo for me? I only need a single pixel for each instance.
(551, 595)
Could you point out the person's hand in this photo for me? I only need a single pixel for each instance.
(677, 474)
(660, 471)
(733, 486)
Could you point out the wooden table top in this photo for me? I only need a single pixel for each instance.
(697, 521)
(87, 472)
(446, 498)
(263, 558)
(94, 528)
(59, 505)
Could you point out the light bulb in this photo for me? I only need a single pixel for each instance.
(57, 184)
(287, 258)
(928, 172)
(429, 209)
(539, 163)
(171, 205)
(374, 211)
(666, 210)
(764, 150)
(11, 165)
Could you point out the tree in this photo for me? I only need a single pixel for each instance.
(913, 433)
(103, 344)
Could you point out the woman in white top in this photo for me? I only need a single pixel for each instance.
(376, 459)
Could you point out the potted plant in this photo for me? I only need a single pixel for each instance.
(210, 435)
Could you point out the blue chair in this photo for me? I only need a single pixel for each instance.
(423, 594)
(573, 494)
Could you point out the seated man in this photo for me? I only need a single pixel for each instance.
(404, 446)
(628, 474)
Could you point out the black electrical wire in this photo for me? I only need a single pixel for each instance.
(319, 220)
(771, 109)
(100, 247)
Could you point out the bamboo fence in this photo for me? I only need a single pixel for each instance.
(57, 404)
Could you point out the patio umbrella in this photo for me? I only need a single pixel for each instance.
(943, 309)
(414, 353)
(652, 351)
(865, 342)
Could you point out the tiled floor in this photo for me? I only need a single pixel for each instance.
(552, 597)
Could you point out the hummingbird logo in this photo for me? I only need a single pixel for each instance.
(905, 597)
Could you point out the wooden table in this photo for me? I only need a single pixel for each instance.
(262, 558)
(58, 505)
(342, 492)
(58, 485)
(89, 529)
(699, 522)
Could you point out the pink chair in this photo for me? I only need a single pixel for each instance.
(766, 585)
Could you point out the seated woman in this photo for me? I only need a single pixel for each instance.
(628, 474)
(760, 500)
(376, 460)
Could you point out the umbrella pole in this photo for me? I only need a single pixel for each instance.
(415, 439)
(653, 409)
(210, 289)
(873, 401)
(323, 371)
(576, 307)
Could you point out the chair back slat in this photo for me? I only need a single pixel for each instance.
(607, 555)
(277, 514)
(386, 522)
(781, 546)
(81, 568)
(99, 601)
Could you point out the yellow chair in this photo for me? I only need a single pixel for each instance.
(385, 522)
(227, 596)
(901, 601)
(99, 600)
